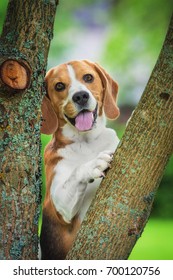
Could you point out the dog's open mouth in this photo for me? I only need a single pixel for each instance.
(84, 120)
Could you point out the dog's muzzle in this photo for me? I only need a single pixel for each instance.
(85, 119)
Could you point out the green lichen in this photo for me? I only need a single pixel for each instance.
(125, 199)
(133, 212)
(111, 200)
(16, 249)
(11, 53)
(103, 240)
(133, 170)
(149, 198)
(28, 44)
(11, 35)
(123, 207)
(126, 191)
(116, 184)
(162, 123)
(6, 197)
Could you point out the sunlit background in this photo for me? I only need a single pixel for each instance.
(125, 37)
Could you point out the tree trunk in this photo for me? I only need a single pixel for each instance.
(123, 202)
(24, 46)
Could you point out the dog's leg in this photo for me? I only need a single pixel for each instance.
(68, 197)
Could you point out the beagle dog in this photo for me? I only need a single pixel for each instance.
(80, 95)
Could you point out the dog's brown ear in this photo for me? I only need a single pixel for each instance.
(50, 121)
(110, 94)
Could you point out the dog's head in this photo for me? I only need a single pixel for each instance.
(77, 93)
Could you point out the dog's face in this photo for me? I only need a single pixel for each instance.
(77, 93)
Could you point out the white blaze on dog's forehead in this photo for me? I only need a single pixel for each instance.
(76, 85)
(71, 73)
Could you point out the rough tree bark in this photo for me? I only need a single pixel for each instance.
(123, 202)
(24, 46)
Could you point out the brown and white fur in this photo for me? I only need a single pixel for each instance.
(80, 94)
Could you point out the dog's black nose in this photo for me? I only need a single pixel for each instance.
(81, 97)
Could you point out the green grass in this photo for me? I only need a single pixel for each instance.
(156, 242)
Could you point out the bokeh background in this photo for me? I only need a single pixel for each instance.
(125, 37)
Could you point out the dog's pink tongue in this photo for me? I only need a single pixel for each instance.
(84, 121)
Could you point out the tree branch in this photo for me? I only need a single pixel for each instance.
(123, 202)
(24, 46)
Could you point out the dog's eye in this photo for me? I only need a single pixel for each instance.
(60, 86)
(88, 78)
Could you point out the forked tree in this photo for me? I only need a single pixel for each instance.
(123, 202)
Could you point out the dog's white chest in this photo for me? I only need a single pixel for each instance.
(71, 189)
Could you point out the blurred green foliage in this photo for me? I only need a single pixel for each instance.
(138, 29)
(156, 242)
(3, 7)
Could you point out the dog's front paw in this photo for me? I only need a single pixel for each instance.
(95, 168)
(101, 163)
